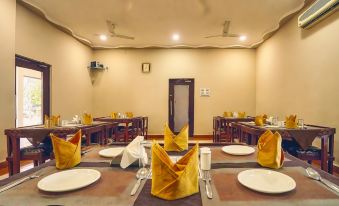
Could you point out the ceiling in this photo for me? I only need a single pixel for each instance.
(153, 22)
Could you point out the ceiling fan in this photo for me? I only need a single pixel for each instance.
(225, 31)
(111, 28)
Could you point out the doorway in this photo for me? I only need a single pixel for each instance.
(181, 104)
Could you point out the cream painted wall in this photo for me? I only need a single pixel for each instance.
(7, 74)
(229, 73)
(297, 73)
(71, 88)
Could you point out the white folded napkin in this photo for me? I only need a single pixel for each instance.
(132, 152)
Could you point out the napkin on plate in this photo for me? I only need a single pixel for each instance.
(170, 180)
(174, 142)
(114, 115)
(129, 114)
(67, 153)
(87, 119)
(291, 122)
(270, 153)
(228, 114)
(259, 120)
(241, 114)
(132, 152)
(52, 121)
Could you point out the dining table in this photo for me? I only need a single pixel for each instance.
(126, 121)
(303, 136)
(115, 184)
(36, 135)
(224, 125)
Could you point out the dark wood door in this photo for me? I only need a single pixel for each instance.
(181, 104)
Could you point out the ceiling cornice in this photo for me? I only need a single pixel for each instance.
(43, 14)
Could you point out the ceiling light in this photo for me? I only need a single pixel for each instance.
(175, 37)
(242, 38)
(103, 37)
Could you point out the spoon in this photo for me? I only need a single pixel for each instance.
(141, 174)
(315, 175)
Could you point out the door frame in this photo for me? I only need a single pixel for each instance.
(21, 61)
(190, 83)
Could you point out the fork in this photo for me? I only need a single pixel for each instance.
(207, 179)
(35, 175)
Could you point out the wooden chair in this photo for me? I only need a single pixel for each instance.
(145, 127)
(38, 155)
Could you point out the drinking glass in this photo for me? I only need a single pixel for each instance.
(301, 123)
(275, 121)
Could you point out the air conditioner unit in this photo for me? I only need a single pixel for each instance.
(317, 11)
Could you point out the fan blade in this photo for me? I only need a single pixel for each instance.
(213, 36)
(110, 26)
(232, 35)
(226, 27)
(123, 36)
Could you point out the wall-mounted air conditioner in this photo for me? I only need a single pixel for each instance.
(317, 11)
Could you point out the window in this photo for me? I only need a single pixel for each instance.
(32, 91)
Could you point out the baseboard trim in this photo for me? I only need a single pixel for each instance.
(336, 169)
(195, 137)
(3, 164)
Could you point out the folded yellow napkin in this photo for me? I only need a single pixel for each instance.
(291, 122)
(87, 119)
(228, 114)
(270, 153)
(170, 180)
(259, 120)
(52, 121)
(114, 115)
(67, 153)
(178, 142)
(241, 114)
(129, 114)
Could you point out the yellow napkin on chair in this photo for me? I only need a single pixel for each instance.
(173, 181)
(87, 119)
(291, 122)
(270, 153)
(67, 153)
(176, 143)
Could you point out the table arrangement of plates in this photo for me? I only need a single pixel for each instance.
(260, 180)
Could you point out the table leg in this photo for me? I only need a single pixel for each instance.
(16, 154)
(88, 138)
(330, 151)
(126, 132)
(324, 154)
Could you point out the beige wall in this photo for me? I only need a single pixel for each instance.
(71, 88)
(297, 73)
(7, 74)
(229, 73)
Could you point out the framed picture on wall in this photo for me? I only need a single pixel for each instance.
(146, 67)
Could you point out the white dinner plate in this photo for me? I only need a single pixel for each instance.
(111, 152)
(238, 150)
(68, 180)
(266, 181)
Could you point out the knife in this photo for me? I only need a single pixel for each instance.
(208, 187)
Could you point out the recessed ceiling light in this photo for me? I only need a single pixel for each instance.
(103, 37)
(175, 37)
(242, 38)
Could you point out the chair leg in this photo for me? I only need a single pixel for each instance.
(36, 163)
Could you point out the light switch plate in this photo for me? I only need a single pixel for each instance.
(204, 92)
